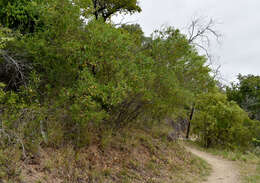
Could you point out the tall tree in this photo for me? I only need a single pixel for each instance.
(106, 8)
(247, 94)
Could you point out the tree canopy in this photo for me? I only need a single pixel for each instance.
(20, 15)
(106, 8)
(247, 94)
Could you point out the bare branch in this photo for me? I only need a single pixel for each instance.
(124, 23)
(13, 69)
(201, 33)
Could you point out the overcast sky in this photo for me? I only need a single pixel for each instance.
(239, 23)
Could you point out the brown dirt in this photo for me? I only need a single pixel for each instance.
(223, 171)
(133, 155)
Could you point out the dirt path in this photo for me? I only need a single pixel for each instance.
(223, 171)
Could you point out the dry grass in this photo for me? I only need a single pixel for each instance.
(131, 156)
(250, 169)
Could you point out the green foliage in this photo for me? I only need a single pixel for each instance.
(247, 94)
(180, 71)
(97, 74)
(136, 32)
(5, 36)
(82, 76)
(256, 142)
(71, 80)
(30, 16)
(19, 122)
(20, 15)
(219, 122)
(55, 46)
(106, 8)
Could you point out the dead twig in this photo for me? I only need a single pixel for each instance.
(13, 69)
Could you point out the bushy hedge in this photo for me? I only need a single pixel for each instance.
(219, 122)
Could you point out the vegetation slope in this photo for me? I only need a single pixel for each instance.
(71, 80)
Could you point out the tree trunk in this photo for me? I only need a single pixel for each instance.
(96, 11)
(191, 115)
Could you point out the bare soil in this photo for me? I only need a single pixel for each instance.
(223, 171)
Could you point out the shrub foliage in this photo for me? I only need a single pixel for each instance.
(74, 73)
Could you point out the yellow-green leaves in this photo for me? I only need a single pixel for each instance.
(4, 36)
(220, 122)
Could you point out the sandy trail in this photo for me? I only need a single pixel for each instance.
(223, 171)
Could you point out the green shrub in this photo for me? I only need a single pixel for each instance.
(219, 122)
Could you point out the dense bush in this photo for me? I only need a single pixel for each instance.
(23, 15)
(247, 94)
(219, 122)
(73, 75)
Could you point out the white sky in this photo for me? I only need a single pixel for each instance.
(239, 51)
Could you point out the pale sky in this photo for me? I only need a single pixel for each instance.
(239, 23)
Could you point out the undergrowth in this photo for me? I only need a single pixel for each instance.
(131, 155)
